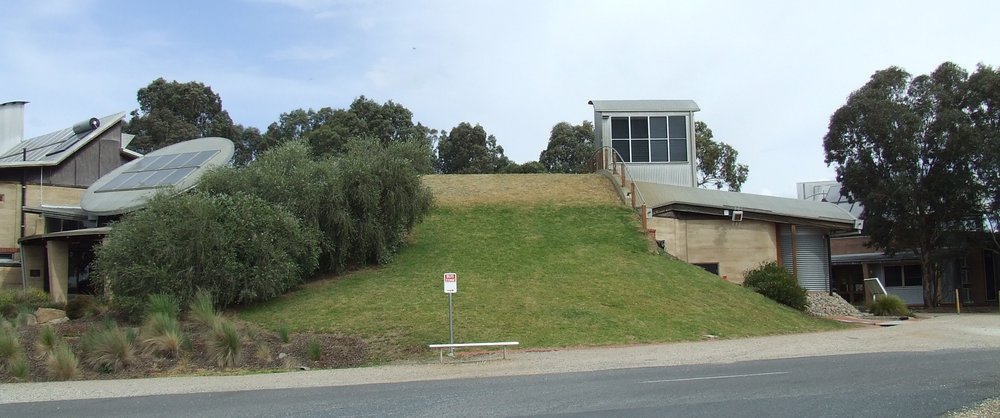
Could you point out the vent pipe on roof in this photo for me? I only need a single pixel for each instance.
(86, 126)
(11, 124)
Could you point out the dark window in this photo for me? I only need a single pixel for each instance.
(658, 127)
(709, 267)
(912, 275)
(640, 151)
(893, 276)
(640, 127)
(619, 128)
(678, 150)
(622, 148)
(650, 138)
(658, 151)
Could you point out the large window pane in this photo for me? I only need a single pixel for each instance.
(621, 146)
(893, 276)
(678, 127)
(640, 128)
(658, 151)
(640, 151)
(658, 127)
(619, 128)
(912, 276)
(678, 150)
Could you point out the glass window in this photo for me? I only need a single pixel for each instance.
(678, 127)
(640, 128)
(678, 150)
(658, 151)
(912, 275)
(640, 151)
(619, 128)
(622, 148)
(893, 276)
(658, 127)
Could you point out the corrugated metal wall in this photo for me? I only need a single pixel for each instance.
(813, 262)
(678, 174)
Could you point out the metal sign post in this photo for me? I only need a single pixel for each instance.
(451, 287)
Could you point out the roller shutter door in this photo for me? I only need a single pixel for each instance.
(812, 256)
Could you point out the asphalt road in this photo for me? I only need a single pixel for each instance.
(911, 384)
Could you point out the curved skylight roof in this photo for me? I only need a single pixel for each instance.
(176, 168)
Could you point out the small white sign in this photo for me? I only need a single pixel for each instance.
(450, 283)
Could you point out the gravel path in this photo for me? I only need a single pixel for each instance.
(934, 332)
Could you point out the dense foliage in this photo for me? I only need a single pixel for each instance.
(717, 165)
(777, 284)
(171, 112)
(362, 204)
(238, 246)
(467, 149)
(919, 153)
(571, 148)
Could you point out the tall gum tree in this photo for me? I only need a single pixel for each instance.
(904, 148)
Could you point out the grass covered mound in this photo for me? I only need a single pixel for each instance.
(547, 260)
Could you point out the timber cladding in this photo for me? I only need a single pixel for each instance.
(736, 247)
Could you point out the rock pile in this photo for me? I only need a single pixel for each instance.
(823, 304)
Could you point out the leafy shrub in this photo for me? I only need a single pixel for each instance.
(47, 341)
(239, 247)
(162, 335)
(777, 284)
(107, 349)
(362, 203)
(80, 306)
(8, 311)
(202, 309)
(890, 305)
(31, 296)
(224, 344)
(314, 350)
(163, 304)
(62, 364)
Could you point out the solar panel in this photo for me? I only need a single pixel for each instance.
(158, 171)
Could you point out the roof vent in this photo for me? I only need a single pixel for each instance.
(86, 126)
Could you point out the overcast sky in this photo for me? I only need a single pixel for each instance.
(766, 76)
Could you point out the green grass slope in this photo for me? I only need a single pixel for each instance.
(546, 260)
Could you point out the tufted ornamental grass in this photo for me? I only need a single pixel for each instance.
(47, 341)
(202, 309)
(283, 334)
(10, 348)
(162, 304)
(20, 368)
(225, 346)
(161, 335)
(314, 350)
(107, 348)
(890, 305)
(62, 364)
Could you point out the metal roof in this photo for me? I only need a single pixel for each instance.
(54, 147)
(662, 195)
(644, 105)
(104, 198)
(844, 259)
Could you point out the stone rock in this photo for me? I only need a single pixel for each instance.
(50, 316)
(824, 304)
(282, 356)
(30, 319)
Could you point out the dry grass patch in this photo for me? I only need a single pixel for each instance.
(462, 190)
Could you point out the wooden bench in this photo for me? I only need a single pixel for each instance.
(442, 347)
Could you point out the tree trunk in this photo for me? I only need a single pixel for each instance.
(931, 290)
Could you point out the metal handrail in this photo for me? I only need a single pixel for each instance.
(601, 156)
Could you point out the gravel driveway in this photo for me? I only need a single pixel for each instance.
(933, 332)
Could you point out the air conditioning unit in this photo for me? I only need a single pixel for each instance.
(737, 216)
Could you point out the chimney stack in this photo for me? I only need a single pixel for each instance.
(11, 124)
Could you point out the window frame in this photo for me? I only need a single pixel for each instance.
(904, 279)
(649, 153)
